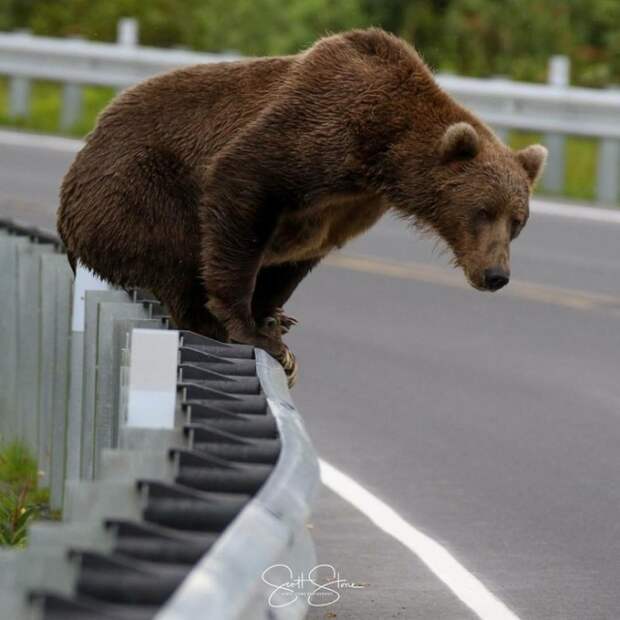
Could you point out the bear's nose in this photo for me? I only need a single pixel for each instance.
(495, 278)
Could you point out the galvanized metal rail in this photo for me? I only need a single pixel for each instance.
(171, 519)
(555, 110)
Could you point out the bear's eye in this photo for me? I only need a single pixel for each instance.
(484, 215)
(515, 227)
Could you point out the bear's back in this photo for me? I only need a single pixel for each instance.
(193, 111)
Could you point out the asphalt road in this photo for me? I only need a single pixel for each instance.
(490, 421)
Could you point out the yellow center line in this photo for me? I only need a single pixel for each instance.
(521, 289)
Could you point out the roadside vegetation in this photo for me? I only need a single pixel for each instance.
(581, 162)
(45, 104)
(21, 499)
(481, 38)
(581, 154)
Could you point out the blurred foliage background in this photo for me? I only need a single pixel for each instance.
(472, 37)
(482, 38)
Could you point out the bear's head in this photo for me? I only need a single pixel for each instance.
(476, 198)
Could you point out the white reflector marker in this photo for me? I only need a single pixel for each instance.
(152, 378)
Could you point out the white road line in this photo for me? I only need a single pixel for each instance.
(578, 212)
(40, 141)
(57, 143)
(462, 583)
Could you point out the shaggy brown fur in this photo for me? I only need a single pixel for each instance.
(221, 186)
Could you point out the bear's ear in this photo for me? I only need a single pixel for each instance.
(460, 141)
(533, 159)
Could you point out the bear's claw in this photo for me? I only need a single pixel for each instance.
(286, 322)
(291, 369)
(279, 319)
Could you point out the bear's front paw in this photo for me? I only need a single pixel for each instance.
(269, 340)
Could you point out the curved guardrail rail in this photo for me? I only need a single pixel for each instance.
(161, 520)
(272, 526)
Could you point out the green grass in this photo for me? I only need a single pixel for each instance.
(45, 106)
(21, 499)
(581, 163)
(581, 153)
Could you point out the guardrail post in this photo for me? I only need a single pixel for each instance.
(71, 105)
(51, 368)
(85, 280)
(608, 169)
(71, 109)
(60, 402)
(29, 341)
(555, 171)
(92, 361)
(152, 384)
(608, 172)
(126, 36)
(19, 91)
(108, 371)
(19, 97)
(127, 32)
(9, 421)
(4, 327)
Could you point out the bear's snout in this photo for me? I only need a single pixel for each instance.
(495, 278)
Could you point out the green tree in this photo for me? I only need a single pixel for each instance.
(250, 26)
(258, 27)
(474, 37)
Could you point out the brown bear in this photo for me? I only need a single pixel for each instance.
(219, 187)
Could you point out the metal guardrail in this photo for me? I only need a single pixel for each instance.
(555, 110)
(279, 512)
(75, 62)
(86, 62)
(182, 466)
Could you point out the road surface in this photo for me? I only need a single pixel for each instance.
(490, 422)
